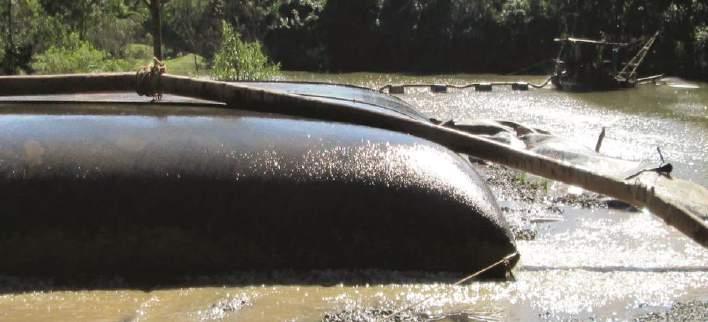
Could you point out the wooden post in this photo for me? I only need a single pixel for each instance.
(599, 140)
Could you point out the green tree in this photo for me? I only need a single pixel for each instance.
(27, 30)
(181, 26)
(75, 14)
(194, 26)
(239, 60)
(108, 24)
(251, 18)
(351, 31)
(399, 25)
(294, 38)
(115, 25)
(155, 21)
(210, 29)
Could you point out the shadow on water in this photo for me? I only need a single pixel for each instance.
(322, 278)
(664, 101)
(157, 281)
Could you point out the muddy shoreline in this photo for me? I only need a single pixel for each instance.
(528, 203)
(527, 200)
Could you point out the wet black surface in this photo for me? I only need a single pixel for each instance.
(154, 191)
(358, 97)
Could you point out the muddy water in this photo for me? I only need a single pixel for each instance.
(586, 263)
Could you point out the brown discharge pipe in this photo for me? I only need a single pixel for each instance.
(679, 203)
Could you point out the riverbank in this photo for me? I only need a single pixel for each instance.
(534, 205)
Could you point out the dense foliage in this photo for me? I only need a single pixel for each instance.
(239, 60)
(74, 55)
(503, 35)
(371, 35)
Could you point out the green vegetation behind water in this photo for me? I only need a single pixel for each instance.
(498, 36)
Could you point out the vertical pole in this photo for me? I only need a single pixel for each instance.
(9, 22)
(10, 50)
(157, 28)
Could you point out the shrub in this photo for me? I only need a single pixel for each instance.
(74, 55)
(138, 52)
(239, 60)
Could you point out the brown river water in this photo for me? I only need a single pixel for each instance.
(588, 264)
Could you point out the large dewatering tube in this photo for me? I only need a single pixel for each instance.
(680, 203)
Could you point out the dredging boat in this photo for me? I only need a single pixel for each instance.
(586, 65)
(262, 175)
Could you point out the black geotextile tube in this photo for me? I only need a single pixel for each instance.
(655, 197)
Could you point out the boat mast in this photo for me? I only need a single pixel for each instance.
(629, 71)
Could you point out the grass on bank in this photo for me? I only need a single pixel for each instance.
(241, 60)
(235, 60)
(188, 65)
(74, 55)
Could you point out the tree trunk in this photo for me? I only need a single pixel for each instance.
(157, 28)
(10, 48)
(9, 24)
